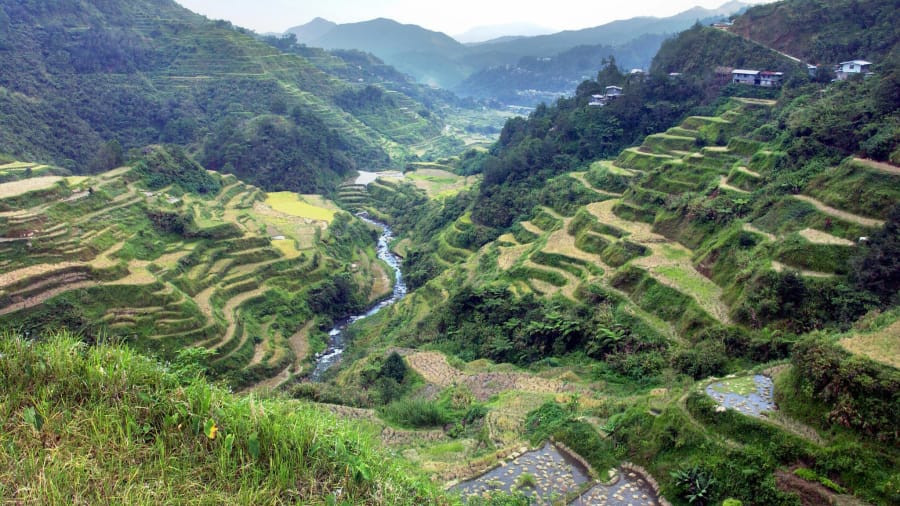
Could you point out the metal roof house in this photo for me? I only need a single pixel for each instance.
(743, 76)
(764, 78)
(770, 79)
(847, 68)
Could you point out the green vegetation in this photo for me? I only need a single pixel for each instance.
(608, 277)
(159, 168)
(823, 33)
(281, 118)
(187, 440)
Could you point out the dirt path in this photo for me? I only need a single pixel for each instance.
(203, 301)
(580, 177)
(843, 215)
(750, 228)
(299, 343)
(749, 172)
(879, 166)
(531, 227)
(560, 242)
(723, 183)
(818, 237)
(15, 188)
(780, 267)
(259, 351)
(44, 296)
(8, 278)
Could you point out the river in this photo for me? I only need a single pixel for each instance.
(336, 343)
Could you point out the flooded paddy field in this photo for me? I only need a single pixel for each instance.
(630, 489)
(750, 395)
(546, 475)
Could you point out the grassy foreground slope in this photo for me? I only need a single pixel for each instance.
(102, 424)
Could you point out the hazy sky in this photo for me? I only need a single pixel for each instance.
(449, 16)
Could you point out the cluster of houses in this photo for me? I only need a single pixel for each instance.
(612, 92)
(768, 79)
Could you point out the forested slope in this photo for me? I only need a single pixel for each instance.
(824, 32)
(82, 78)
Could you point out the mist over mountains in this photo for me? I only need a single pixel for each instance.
(504, 67)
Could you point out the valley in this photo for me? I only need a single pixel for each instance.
(248, 270)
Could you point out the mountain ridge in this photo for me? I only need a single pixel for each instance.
(185, 90)
(437, 59)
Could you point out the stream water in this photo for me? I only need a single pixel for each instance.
(336, 341)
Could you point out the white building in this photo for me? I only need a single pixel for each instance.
(743, 76)
(846, 69)
(613, 91)
(770, 79)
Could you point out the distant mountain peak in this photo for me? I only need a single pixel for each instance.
(311, 31)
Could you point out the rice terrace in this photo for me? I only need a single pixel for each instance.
(306, 253)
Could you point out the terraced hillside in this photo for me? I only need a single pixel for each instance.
(656, 268)
(679, 224)
(234, 271)
(160, 73)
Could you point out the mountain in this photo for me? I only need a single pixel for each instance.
(613, 33)
(311, 31)
(431, 57)
(436, 59)
(825, 32)
(158, 73)
(491, 33)
(533, 80)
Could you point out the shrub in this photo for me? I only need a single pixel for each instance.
(695, 484)
(861, 394)
(394, 368)
(707, 358)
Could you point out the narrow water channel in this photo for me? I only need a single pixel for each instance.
(336, 342)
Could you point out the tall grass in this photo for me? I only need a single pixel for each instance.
(102, 424)
(416, 413)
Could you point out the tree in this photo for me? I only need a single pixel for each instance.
(394, 367)
(108, 157)
(877, 267)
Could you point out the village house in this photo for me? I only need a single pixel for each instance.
(853, 67)
(764, 78)
(770, 79)
(742, 76)
(611, 93)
